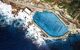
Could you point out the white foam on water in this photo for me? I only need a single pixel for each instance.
(6, 10)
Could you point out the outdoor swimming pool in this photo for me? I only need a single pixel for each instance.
(50, 23)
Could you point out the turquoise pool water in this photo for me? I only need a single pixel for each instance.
(50, 23)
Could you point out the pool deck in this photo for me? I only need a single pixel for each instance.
(53, 36)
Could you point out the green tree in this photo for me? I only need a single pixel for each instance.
(73, 7)
(47, 0)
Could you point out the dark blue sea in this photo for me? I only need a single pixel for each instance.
(13, 38)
